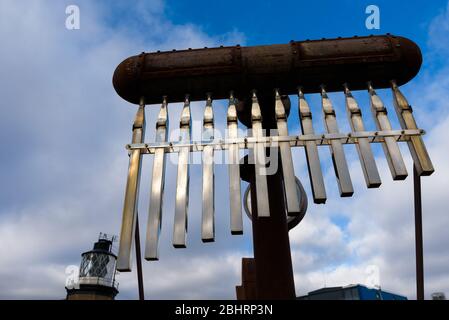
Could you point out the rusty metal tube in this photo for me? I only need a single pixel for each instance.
(332, 62)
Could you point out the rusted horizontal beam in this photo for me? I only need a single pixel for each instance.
(308, 64)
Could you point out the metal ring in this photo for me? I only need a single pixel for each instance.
(291, 221)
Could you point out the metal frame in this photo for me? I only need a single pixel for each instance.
(257, 145)
(274, 141)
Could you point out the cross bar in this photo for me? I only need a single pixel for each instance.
(273, 141)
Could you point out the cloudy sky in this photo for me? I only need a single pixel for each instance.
(63, 164)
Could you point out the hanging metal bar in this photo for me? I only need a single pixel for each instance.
(182, 182)
(289, 178)
(390, 146)
(235, 196)
(416, 145)
(259, 156)
(311, 150)
(157, 186)
(208, 226)
(124, 259)
(336, 147)
(366, 156)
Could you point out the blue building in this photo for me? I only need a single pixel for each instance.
(351, 292)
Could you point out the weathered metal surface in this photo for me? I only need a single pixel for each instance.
(366, 156)
(310, 64)
(248, 290)
(271, 245)
(311, 150)
(421, 158)
(390, 146)
(288, 171)
(234, 72)
(124, 260)
(336, 148)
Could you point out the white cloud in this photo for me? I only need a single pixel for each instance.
(65, 130)
(63, 173)
(380, 229)
(438, 31)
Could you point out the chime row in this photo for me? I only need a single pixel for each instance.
(256, 145)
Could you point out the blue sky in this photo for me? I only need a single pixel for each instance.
(269, 22)
(280, 21)
(63, 131)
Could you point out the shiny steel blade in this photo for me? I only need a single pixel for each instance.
(263, 209)
(311, 150)
(390, 146)
(366, 156)
(416, 145)
(182, 182)
(207, 226)
(235, 197)
(336, 147)
(124, 259)
(288, 171)
(157, 187)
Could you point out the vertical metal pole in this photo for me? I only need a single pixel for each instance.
(274, 271)
(418, 235)
(139, 260)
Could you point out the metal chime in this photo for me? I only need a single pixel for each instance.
(257, 142)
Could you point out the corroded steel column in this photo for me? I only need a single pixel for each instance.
(273, 267)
